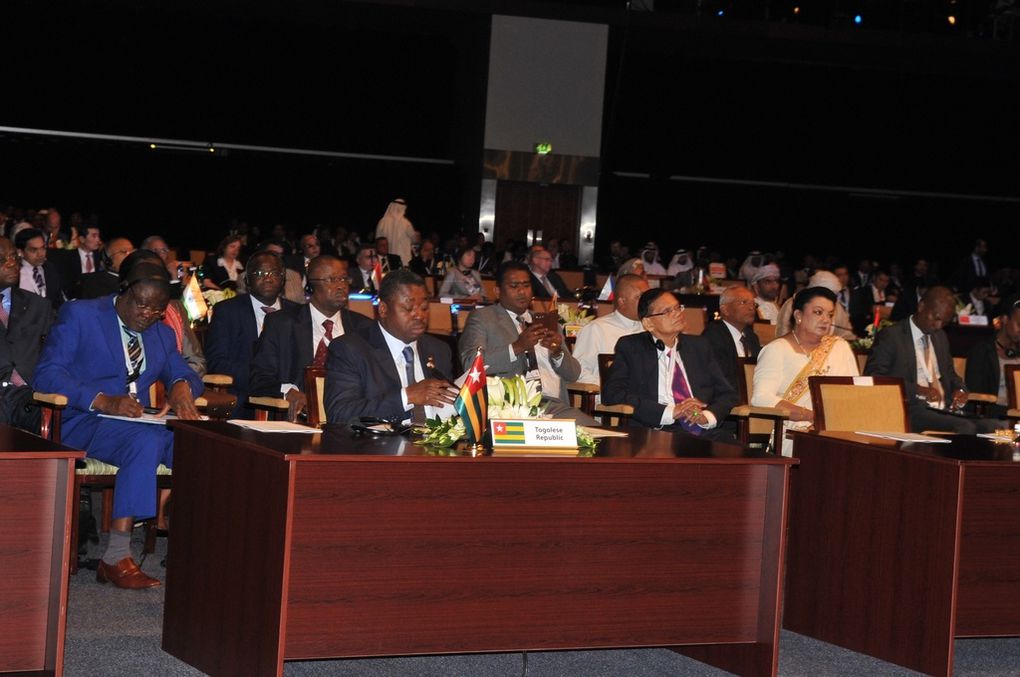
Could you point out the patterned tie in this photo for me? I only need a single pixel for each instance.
(134, 349)
(681, 392)
(270, 309)
(532, 362)
(323, 347)
(418, 414)
(16, 378)
(40, 282)
(744, 343)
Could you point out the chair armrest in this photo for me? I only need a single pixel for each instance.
(1013, 413)
(269, 402)
(614, 409)
(51, 399)
(583, 388)
(220, 380)
(981, 397)
(746, 410)
(201, 402)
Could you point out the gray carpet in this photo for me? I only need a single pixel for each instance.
(117, 632)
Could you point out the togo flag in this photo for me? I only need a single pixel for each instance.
(472, 403)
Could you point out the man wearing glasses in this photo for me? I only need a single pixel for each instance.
(103, 354)
(237, 323)
(299, 335)
(362, 279)
(673, 381)
(25, 318)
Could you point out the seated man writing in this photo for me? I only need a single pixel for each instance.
(104, 354)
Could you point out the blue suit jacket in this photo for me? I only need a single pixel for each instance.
(84, 356)
(230, 342)
(362, 379)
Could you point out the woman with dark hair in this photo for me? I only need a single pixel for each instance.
(784, 365)
(463, 281)
(228, 271)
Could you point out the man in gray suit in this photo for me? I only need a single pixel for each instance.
(917, 350)
(25, 319)
(514, 344)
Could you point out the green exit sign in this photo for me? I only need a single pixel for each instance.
(543, 148)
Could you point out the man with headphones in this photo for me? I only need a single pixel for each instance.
(298, 336)
(103, 354)
(237, 323)
(106, 281)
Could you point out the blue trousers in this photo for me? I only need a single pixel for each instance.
(136, 449)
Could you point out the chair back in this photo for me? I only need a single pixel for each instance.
(851, 403)
(362, 307)
(862, 359)
(490, 287)
(315, 386)
(766, 332)
(960, 366)
(745, 390)
(605, 364)
(573, 279)
(1013, 385)
(696, 320)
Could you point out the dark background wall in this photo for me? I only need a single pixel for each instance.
(920, 115)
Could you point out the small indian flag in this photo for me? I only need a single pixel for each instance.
(508, 432)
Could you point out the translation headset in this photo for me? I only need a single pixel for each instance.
(1009, 352)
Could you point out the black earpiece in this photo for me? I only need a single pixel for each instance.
(659, 345)
(1009, 352)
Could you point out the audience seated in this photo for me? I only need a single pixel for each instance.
(293, 285)
(38, 275)
(841, 321)
(392, 370)
(673, 382)
(77, 262)
(462, 280)
(765, 285)
(106, 281)
(601, 334)
(387, 261)
(810, 349)
(988, 358)
(545, 282)
(362, 277)
(309, 248)
(650, 258)
(733, 335)
(227, 271)
(424, 264)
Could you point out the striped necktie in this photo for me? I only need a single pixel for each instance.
(40, 281)
(135, 357)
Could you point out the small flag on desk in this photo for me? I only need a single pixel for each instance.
(607, 290)
(508, 432)
(472, 404)
(193, 300)
(377, 275)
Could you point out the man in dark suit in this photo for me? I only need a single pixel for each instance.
(733, 336)
(84, 259)
(308, 249)
(544, 280)
(299, 336)
(107, 281)
(972, 267)
(104, 356)
(38, 275)
(425, 262)
(361, 274)
(394, 371)
(388, 262)
(917, 350)
(238, 322)
(672, 381)
(25, 318)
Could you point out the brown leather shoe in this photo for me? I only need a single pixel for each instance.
(125, 574)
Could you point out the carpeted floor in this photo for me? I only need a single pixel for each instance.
(117, 632)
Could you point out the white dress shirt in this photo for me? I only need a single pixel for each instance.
(736, 336)
(924, 377)
(396, 348)
(668, 359)
(27, 281)
(318, 334)
(600, 336)
(260, 315)
(83, 256)
(546, 371)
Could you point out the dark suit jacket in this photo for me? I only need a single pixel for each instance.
(21, 340)
(632, 378)
(966, 275)
(94, 285)
(893, 355)
(983, 372)
(285, 348)
(68, 264)
(539, 291)
(419, 266)
(721, 342)
(358, 281)
(394, 262)
(362, 380)
(229, 344)
(54, 285)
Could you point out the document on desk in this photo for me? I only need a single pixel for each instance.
(905, 437)
(274, 426)
(602, 432)
(151, 419)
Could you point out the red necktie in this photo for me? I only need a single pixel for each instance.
(88, 263)
(323, 347)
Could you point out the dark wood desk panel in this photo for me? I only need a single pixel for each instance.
(36, 491)
(894, 550)
(369, 546)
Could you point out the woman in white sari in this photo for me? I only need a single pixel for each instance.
(784, 365)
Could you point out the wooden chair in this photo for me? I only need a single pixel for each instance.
(852, 403)
(696, 320)
(862, 359)
(315, 387)
(766, 332)
(362, 307)
(607, 413)
(490, 287)
(1013, 390)
(756, 426)
(269, 408)
(582, 396)
(574, 279)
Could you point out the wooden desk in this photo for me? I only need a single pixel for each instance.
(895, 550)
(328, 545)
(36, 491)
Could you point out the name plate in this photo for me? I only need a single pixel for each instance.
(974, 320)
(717, 270)
(534, 433)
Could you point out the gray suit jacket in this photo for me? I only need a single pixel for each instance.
(893, 355)
(21, 341)
(492, 329)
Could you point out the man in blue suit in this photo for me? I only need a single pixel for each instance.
(384, 372)
(237, 323)
(673, 382)
(104, 354)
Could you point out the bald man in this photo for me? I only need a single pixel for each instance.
(600, 335)
(733, 336)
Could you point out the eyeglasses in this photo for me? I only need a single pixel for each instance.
(672, 310)
(267, 274)
(332, 280)
(13, 257)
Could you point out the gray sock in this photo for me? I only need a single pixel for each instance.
(118, 548)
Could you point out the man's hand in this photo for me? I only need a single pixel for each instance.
(531, 336)
(553, 342)
(929, 393)
(298, 402)
(690, 410)
(117, 405)
(959, 400)
(431, 392)
(182, 402)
